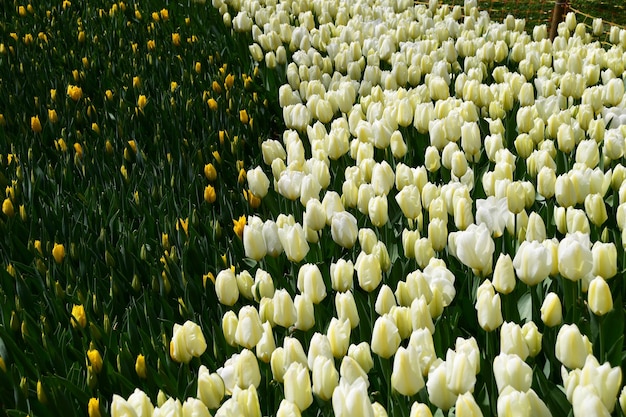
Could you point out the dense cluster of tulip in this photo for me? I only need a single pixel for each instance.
(500, 149)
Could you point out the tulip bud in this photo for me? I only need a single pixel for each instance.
(512, 340)
(194, 407)
(187, 342)
(249, 328)
(293, 241)
(339, 336)
(298, 386)
(342, 275)
(551, 310)
(599, 297)
(438, 392)
(344, 229)
(604, 260)
(595, 209)
(285, 313)
(385, 337)
(253, 241)
(503, 275)
(406, 377)
(420, 410)
(369, 272)
(572, 347)
(346, 308)
(532, 262)
(211, 388)
(532, 337)
(488, 307)
(574, 256)
(310, 282)
(325, 377)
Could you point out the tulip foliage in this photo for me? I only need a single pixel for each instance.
(310, 208)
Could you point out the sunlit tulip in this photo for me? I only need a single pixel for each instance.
(586, 401)
(474, 247)
(171, 407)
(460, 372)
(285, 314)
(551, 310)
(362, 354)
(325, 378)
(493, 213)
(352, 400)
(420, 410)
(226, 287)
(504, 275)
(272, 240)
(595, 209)
(385, 337)
(187, 342)
(339, 336)
(546, 182)
(304, 311)
(346, 308)
(406, 377)
(253, 241)
(532, 262)
(140, 403)
(564, 191)
(249, 328)
(599, 297)
(574, 256)
(572, 347)
(378, 210)
(266, 344)
(342, 275)
(310, 282)
(438, 392)
(511, 370)
(293, 241)
(195, 407)
(298, 386)
(488, 307)
(350, 371)
(536, 228)
(344, 229)
(423, 251)
(287, 409)
(516, 403)
(605, 379)
(368, 271)
(533, 338)
(409, 201)
(229, 327)
(512, 340)
(604, 259)
(466, 405)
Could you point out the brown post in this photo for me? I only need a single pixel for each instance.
(558, 13)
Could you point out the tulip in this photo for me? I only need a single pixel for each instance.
(272, 240)
(605, 380)
(604, 260)
(187, 342)
(325, 378)
(432, 159)
(342, 275)
(350, 371)
(406, 377)
(512, 371)
(171, 407)
(287, 409)
(310, 282)
(230, 323)
(599, 298)
(512, 340)
(420, 315)
(258, 183)
(420, 410)
(572, 347)
(515, 403)
(574, 256)
(367, 240)
(226, 287)
(377, 210)
(586, 401)
(488, 307)
(402, 316)
(352, 400)
(368, 271)
(409, 201)
(346, 308)
(564, 191)
(438, 234)
(263, 285)
(493, 213)
(293, 241)
(595, 209)
(139, 402)
(271, 150)
(532, 262)
(304, 311)
(249, 328)
(364, 196)
(474, 247)
(362, 354)
(194, 407)
(424, 251)
(332, 205)
(382, 178)
(466, 405)
(532, 337)
(504, 275)
(344, 229)
(551, 310)
(253, 241)
(385, 337)
(339, 336)
(285, 313)
(298, 386)
(438, 392)
(546, 182)
(211, 388)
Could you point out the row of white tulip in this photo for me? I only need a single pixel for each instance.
(374, 78)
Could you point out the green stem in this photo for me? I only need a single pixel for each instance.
(603, 353)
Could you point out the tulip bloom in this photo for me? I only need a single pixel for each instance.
(599, 297)
(344, 229)
(211, 388)
(406, 377)
(187, 342)
(532, 262)
(474, 247)
(385, 337)
(572, 347)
